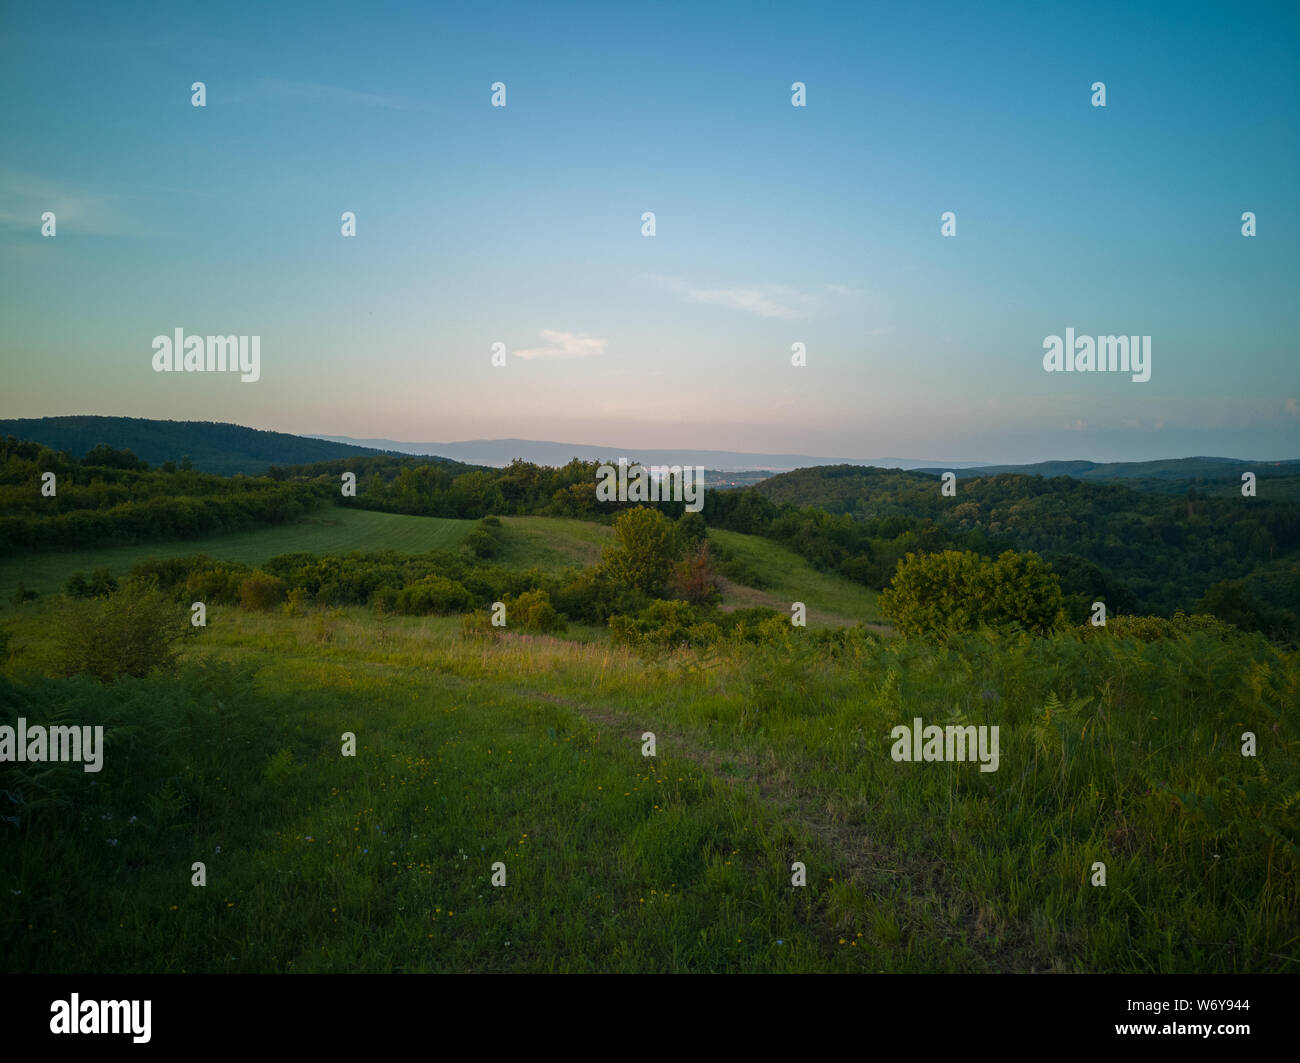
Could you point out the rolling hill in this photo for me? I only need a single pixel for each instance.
(211, 446)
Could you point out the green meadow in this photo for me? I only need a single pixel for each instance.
(832, 601)
(526, 751)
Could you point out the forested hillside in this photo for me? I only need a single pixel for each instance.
(1165, 551)
(1170, 471)
(211, 446)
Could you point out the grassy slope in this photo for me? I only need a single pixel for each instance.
(527, 751)
(333, 530)
(553, 543)
(831, 600)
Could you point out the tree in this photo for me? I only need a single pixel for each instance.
(1232, 601)
(647, 545)
(693, 528)
(694, 579)
(1025, 593)
(107, 456)
(1083, 583)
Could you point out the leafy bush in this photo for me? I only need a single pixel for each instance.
(757, 624)
(434, 594)
(261, 591)
(481, 544)
(662, 624)
(296, 602)
(487, 539)
(593, 597)
(132, 632)
(1156, 628)
(934, 595)
(1022, 592)
(218, 582)
(532, 611)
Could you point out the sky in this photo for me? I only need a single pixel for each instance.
(774, 224)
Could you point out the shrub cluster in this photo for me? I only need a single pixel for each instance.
(665, 625)
(936, 595)
(1156, 628)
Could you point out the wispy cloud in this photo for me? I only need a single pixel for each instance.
(770, 300)
(277, 88)
(563, 345)
(24, 197)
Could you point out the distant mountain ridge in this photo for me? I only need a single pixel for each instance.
(224, 448)
(501, 452)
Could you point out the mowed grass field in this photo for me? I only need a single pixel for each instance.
(526, 752)
(553, 543)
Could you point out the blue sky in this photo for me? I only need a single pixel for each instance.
(775, 224)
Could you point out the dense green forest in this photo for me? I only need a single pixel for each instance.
(1161, 552)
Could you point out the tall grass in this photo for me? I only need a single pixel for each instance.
(527, 750)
